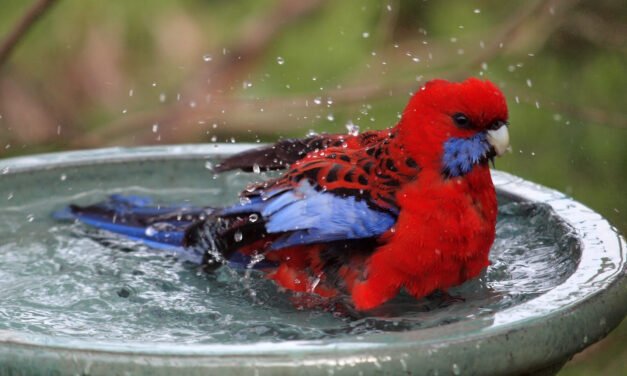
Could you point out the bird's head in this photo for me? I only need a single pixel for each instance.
(455, 126)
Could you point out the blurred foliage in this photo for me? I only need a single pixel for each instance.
(97, 73)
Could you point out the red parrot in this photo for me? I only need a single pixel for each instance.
(410, 207)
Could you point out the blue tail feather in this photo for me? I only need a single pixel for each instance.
(139, 218)
(159, 227)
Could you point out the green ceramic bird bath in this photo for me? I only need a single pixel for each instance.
(76, 304)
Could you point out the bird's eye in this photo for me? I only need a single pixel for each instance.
(462, 121)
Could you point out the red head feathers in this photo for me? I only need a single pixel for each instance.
(442, 110)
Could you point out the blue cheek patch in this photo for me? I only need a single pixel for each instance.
(461, 154)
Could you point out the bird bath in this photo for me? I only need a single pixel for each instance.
(97, 305)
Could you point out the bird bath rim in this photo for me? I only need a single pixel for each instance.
(580, 311)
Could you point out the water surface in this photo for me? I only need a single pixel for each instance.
(55, 280)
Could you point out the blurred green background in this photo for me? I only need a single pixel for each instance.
(100, 73)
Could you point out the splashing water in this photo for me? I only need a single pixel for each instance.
(55, 280)
(352, 129)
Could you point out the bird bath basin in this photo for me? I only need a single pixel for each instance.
(97, 305)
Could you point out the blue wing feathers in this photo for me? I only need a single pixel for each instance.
(310, 216)
(300, 215)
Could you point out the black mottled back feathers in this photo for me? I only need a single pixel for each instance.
(277, 156)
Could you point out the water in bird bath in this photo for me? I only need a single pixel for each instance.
(55, 280)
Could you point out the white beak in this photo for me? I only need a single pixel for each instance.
(499, 139)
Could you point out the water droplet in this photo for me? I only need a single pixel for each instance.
(10, 196)
(330, 117)
(254, 217)
(162, 97)
(63, 177)
(317, 100)
(150, 231)
(529, 83)
(455, 369)
(365, 34)
(209, 165)
(155, 128)
(352, 129)
(280, 60)
(207, 58)
(389, 8)
(6, 170)
(256, 168)
(477, 11)
(30, 217)
(130, 93)
(247, 84)
(238, 236)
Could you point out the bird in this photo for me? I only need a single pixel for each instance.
(362, 216)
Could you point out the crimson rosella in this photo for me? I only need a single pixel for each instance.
(365, 215)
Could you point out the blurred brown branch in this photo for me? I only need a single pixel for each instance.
(595, 29)
(544, 15)
(240, 113)
(595, 115)
(21, 28)
(387, 21)
(235, 63)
